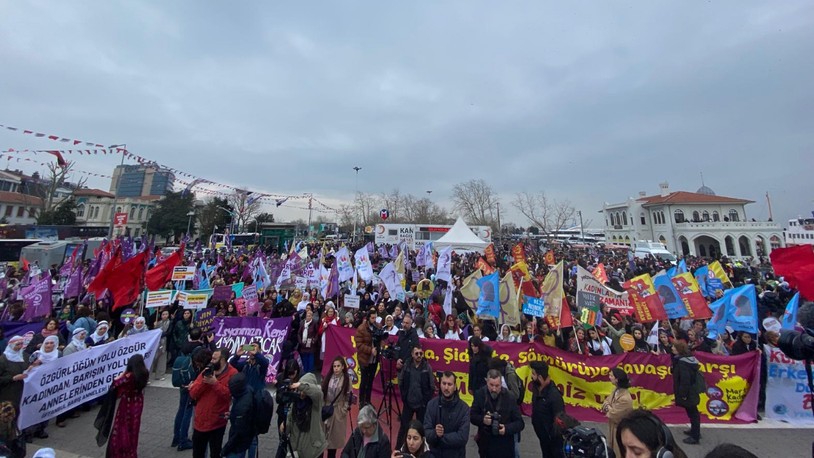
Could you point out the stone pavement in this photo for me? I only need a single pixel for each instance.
(77, 439)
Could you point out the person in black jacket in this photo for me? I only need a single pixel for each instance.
(416, 387)
(368, 435)
(407, 340)
(493, 403)
(241, 418)
(685, 368)
(446, 423)
(479, 356)
(546, 404)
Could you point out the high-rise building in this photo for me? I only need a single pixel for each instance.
(141, 180)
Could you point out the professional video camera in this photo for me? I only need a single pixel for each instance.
(285, 395)
(800, 345)
(379, 335)
(586, 442)
(391, 352)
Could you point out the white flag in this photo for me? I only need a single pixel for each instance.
(390, 278)
(448, 302)
(344, 265)
(653, 337)
(363, 265)
(443, 272)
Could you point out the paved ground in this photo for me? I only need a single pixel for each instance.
(77, 438)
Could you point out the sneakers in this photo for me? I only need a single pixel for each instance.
(690, 440)
(184, 446)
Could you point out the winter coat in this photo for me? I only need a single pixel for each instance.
(616, 406)
(478, 367)
(180, 333)
(309, 444)
(364, 344)
(407, 340)
(211, 401)
(11, 390)
(255, 373)
(453, 415)
(425, 381)
(311, 343)
(506, 406)
(378, 447)
(336, 426)
(545, 405)
(241, 417)
(684, 370)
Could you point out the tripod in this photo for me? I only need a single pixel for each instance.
(389, 394)
(284, 449)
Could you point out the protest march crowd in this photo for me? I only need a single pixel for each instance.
(588, 301)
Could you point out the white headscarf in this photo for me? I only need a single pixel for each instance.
(77, 341)
(11, 354)
(136, 330)
(46, 356)
(95, 337)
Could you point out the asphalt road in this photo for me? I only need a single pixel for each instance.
(77, 439)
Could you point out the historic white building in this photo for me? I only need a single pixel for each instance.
(800, 231)
(691, 223)
(93, 208)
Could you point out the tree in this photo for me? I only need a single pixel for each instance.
(46, 188)
(245, 206)
(260, 219)
(210, 216)
(169, 217)
(548, 215)
(63, 214)
(476, 201)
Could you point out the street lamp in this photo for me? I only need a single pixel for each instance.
(231, 217)
(116, 189)
(190, 214)
(356, 197)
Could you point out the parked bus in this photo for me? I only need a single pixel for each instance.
(246, 239)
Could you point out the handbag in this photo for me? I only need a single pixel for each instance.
(328, 411)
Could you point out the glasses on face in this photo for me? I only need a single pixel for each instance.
(418, 353)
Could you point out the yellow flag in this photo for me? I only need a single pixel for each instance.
(552, 291)
(509, 308)
(399, 263)
(470, 289)
(720, 273)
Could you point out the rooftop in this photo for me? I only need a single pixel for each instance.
(86, 192)
(21, 199)
(684, 197)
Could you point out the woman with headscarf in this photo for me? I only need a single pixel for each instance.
(51, 328)
(13, 364)
(129, 388)
(506, 334)
(100, 336)
(49, 351)
(639, 343)
(76, 344)
(139, 326)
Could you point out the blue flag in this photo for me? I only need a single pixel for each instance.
(682, 267)
(717, 324)
(701, 276)
(790, 316)
(673, 304)
(742, 305)
(489, 298)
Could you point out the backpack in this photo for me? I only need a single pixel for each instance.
(700, 385)
(183, 372)
(515, 384)
(263, 411)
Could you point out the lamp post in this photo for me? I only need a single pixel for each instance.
(581, 229)
(116, 189)
(190, 214)
(356, 197)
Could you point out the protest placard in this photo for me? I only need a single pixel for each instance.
(183, 273)
(158, 298)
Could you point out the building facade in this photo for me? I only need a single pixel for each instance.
(141, 180)
(697, 223)
(93, 207)
(800, 231)
(17, 208)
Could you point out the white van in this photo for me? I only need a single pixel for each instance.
(656, 249)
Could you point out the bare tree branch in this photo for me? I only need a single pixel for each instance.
(476, 201)
(547, 214)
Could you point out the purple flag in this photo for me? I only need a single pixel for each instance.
(73, 288)
(37, 298)
(394, 252)
(234, 332)
(383, 252)
(333, 282)
(370, 248)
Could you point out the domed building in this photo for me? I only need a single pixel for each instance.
(699, 223)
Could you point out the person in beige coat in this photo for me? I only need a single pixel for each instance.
(336, 391)
(617, 405)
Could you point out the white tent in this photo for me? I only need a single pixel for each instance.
(461, 239)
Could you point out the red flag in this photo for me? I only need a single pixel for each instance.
(484, 267)
(647, 305)
(26, 266)
(549, 258)
(162, 273)
(796, 266)
(600, 274)
(60, 160)
(127, 281)
(519, 253)
(99, 283)
(566, 320)
(690, 294)
(490, 254)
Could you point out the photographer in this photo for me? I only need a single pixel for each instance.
(366, 353)
(251, 362)
(446, 422)
(416, 387)
(546, 404)
(497, 416)
(212, 397)
(290, 375)
(304, 420)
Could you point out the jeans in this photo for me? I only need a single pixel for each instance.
(203, 439)
(180, 433)
(366, 384)
(406, 416)
(307, 362)
(250, 453)
(695, 421)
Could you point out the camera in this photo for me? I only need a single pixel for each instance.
(378, 335)
(285, 395)
(391, 352)
(797, 345)
(209, 370)
(586, 442)
(495, 423)
(404, 454)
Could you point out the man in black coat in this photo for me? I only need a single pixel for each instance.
(446, 423)
(241, 418)
(407, 340)
(546, 404)
(495, 441)
(416, 387)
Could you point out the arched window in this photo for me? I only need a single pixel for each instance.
(140, 213)
(80, 210)
(662, 240)
(696, 217)
(705, 216)
(95, 212)
(733, 215)
(627, 240)
(132, 212)
(679, 216)
(624, 218)
(118, 209)
(715, 216)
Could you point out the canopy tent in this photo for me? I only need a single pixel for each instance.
(461, 239)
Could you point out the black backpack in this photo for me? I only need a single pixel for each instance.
(263, 410)
(183, 371)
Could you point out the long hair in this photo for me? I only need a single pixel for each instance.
(649, 429)
(622, 380)
(141, 375)
(419, 428)
(345, 379)
(682, 349)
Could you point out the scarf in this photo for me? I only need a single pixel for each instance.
(95, 337)
(11, 355)
(47, 333)
(135, 330)
(78, 342)
(47, 356)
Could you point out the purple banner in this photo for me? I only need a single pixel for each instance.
(21, 328)
(271, 333)
(250, 295)
(204, 319)
(37, 298)
(222, 293)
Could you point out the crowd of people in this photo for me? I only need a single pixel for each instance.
(220, 387)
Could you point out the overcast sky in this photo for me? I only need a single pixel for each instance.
(591, 101)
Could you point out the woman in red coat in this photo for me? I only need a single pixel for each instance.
(129, 386)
